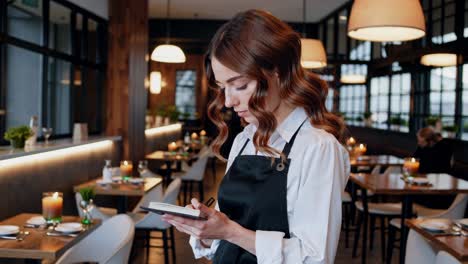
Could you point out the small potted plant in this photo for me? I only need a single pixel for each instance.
(173, 113)
(367, 119)
(160, 113)
(86, 204)
(18, 135)
(396, 122)
(451, 130)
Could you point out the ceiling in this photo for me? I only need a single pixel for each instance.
(287, 10)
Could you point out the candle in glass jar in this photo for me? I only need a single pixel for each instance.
(351, 141)
(52, 204)
(411, 165)
(126, 168)
(172, 146)
(361, 149)
(203, 133)
(194, 136)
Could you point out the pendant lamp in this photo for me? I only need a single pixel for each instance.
(439, 59)
(353, 74)
(313, 54)
(166, 52)
(386, 20)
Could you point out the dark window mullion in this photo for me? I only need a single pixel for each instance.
(45, 59)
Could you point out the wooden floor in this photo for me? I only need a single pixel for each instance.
(184, 253)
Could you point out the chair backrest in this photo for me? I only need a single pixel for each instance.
(197, 170)
(152, 220)
(456, 209)
(109, 243)
(95, 212)
(392, 169)
(445, 258)
(418, 250)
(154, 195)
(376, 169)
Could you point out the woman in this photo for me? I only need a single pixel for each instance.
(280, 200)
(434, 152)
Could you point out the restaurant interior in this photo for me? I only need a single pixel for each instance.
(103, 109)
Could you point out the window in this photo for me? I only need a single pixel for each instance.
(37, 68)
(442, 94)
(185, 91)
(329, 100)
(23, 84)
(400, 101)
(361, 50)
(353, 102)
(464, 130)
(443, 21)
(25, 20)
(379, 101)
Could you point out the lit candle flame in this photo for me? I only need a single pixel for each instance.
(55, 195)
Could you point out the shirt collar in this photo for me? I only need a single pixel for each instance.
(286, 129)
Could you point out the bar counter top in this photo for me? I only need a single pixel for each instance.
(7, 152)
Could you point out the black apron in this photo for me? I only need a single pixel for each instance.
(253, 194)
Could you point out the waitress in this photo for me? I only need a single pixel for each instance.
(280, 200)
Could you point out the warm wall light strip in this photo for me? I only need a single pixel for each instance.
(353, 79)
(55, 154)
(159, 130)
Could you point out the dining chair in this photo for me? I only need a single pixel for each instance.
(149, 222)
(102, 213)
(149, 174)
(443, 257)
(154, 195)
(195, 174)
(418, 250)
(382, 210)
(455, 211)
(110, 243)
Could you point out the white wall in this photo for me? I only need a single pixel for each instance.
(98, 7)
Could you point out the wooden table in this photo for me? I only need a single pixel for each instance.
(457, 246)
(121, 189)
(373, 160)
(37, 245)
(169, 159)
(392, 184)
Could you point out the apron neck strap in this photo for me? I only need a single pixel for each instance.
(287, 147)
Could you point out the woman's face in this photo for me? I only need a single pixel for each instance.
(237, 90)
(422, 142)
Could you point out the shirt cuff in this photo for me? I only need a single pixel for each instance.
(269, 246)
(200, 251)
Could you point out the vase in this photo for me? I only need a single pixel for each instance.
(17, 143)
(87, 206)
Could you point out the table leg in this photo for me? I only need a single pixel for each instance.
(122, 204)
(364, 225)
(406, 212)
(168, 175)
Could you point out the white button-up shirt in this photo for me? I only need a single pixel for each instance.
(317, 175)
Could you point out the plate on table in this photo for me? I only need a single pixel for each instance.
(36, 221)
(103, 182)
(420, 181)
(116, 178)
(436, 225)
(464, 222)
(9, 230)
(136, 180)
(72, 227)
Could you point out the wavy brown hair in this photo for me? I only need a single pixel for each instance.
(259, 46)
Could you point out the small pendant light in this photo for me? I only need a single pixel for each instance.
(166, 52)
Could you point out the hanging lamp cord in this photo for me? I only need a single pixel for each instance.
(168, 25)
(304, 18)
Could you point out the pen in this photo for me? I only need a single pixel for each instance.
(209, 202)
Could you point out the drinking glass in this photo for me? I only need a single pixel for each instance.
(142, 166)
(47, 132)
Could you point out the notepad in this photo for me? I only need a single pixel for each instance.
(165, 208)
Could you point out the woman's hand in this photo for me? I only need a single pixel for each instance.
(217, 225)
